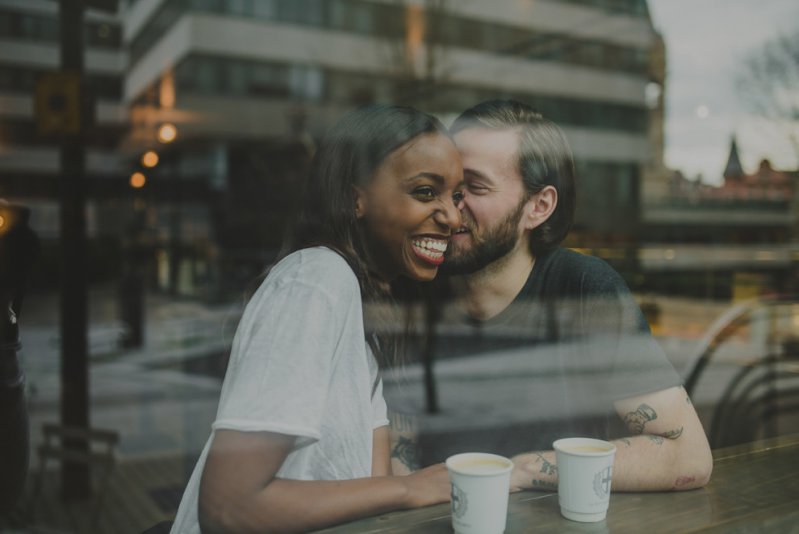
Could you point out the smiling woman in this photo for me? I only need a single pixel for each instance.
(301, 417)
(408, 207)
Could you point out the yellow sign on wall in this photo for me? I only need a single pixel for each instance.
(58, 103)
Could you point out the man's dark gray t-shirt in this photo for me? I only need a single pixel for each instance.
(550, 365)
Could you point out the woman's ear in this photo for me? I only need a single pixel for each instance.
(360, 202)
(540, 207)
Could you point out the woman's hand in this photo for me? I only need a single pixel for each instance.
(240, 493)
(427, 486)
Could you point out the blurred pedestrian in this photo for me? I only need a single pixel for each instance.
(19, 247)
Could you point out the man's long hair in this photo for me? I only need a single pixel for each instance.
(544, 158)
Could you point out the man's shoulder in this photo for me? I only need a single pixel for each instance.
(564, 269)
(569, 262)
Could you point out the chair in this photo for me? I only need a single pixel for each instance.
(754, 399)
(759, 382)
(101, 452)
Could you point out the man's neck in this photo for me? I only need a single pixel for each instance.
(487, 292)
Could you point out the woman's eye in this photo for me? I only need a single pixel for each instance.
(424, 193)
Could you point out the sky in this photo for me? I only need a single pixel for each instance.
(706, 41)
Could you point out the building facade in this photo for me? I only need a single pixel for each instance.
(250, 86)
(734, 240)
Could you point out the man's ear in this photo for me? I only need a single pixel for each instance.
(540, 207)
(360, 202)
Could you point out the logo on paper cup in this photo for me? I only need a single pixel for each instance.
(602, 482)
(459, 502)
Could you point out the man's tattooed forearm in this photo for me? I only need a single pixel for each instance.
(405, 452)
(637, 420)
(673, 434)
(656, 439)
(626, 441)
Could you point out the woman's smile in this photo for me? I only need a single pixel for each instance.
(408, 207)
(430, 249)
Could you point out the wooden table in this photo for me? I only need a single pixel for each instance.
(754, 488)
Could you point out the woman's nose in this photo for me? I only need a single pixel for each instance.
(449, 214)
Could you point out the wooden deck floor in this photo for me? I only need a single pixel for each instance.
(140, 494)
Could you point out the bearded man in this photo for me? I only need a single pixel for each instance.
(583, 361)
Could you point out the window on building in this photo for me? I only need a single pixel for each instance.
(264, 9)
(306, 82)
(239, 7)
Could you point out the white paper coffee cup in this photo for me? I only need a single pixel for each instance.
(585, 469)
(480, 486)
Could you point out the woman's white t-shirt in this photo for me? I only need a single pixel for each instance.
(300, 366)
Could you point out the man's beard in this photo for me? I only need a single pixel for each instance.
(495, 244)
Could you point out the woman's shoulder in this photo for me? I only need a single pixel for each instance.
(315, 266)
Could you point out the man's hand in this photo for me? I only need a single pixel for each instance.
(534, 470)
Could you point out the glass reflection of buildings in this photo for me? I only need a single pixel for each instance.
(251, 84)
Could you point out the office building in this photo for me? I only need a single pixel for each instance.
(250, 85)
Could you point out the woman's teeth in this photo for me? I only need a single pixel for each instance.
(432, 249)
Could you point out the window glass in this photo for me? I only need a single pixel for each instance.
(239, 7)
(264, 9)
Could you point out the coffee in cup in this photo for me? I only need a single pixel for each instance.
(480, 486)
(585, 469)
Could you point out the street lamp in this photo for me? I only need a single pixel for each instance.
(150, 159)
(167, 132)
(137, 180)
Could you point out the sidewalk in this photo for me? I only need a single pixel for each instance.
(144, 394)
(162, 412)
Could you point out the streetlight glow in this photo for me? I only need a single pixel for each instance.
(137, 180)
(149, 159)
(167, 132)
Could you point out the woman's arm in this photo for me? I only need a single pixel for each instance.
(381, 448)
(239, 491)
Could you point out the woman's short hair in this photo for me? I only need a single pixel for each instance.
(544, 158)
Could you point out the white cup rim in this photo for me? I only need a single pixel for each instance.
(465, 456)
(562, 446)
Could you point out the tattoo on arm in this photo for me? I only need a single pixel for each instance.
(637, 420)
(405, 452)
(673, 434)
(683, 481)
(544, 484)
(547, 467)
(626, 441)
(401, 422)
(657, 439)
